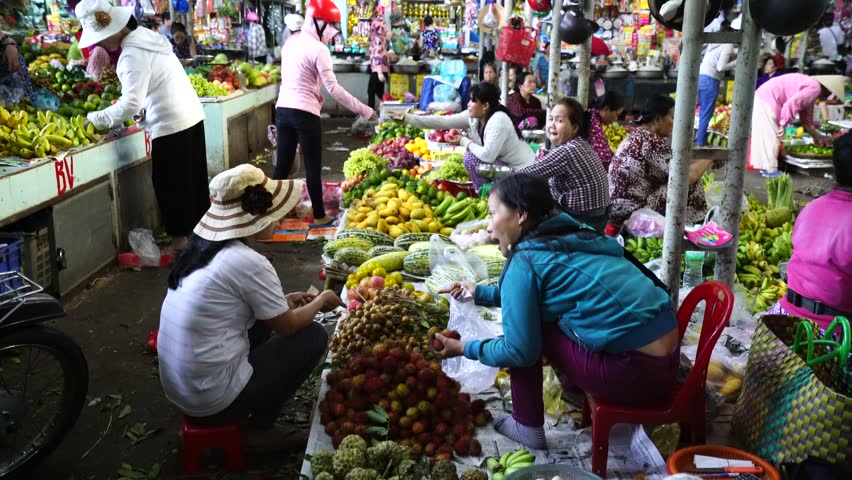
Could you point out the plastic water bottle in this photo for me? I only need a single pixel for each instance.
(693, 274)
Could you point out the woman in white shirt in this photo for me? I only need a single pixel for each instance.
(219, 362)
(155, 92)
(491, 135)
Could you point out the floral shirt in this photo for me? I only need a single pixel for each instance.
(182, 51)
(577, 179)
(378, 46)
(597, 138)
(431, 39)
(639, 177)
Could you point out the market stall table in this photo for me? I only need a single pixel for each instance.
(77, 208)
(235, 126)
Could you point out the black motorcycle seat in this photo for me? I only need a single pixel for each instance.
(34, 308)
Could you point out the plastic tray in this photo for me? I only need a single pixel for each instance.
(682, 459)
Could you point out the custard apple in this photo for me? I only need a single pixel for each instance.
(474, 474)
(346, 460)
(359, 473)
(322, 461)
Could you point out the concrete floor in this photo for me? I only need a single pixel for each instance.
(111, 318)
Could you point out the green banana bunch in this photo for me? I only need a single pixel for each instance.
(509, 463)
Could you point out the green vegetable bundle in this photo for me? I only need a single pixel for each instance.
(779, 191)
(363, 161)
(452, 169)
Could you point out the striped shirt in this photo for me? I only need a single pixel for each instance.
(576, 176)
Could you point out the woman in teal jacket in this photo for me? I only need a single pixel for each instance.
(572, 298)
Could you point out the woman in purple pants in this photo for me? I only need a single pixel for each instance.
(568, 295)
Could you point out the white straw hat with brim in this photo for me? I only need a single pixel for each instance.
(836, 84)
(498, 15)
(226, 219)
(100, 20)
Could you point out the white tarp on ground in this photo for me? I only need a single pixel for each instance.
(631, 452)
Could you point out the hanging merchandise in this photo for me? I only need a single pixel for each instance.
(786, 17)
(574, 28)
(517, 42)
(540, 6)
(490, 17)
(181, 6)
(471, 11)
(670, 12)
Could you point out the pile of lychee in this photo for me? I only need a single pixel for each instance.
(425, 409)
(394, 318)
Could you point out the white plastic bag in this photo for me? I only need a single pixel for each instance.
(713, 196)
(142, 243)
(646, 223)
(452, 261)
(471, 234)
(473, 376)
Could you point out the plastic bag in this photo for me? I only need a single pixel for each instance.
(331, 196)
(552, 393)
(471, 234)
(646, 223)
(473, 376)
(363, 126)
(44, 100)
(453, 72)
(142, 243)
(451, 261)
(490, 19)
(713, 196)
(444, 93)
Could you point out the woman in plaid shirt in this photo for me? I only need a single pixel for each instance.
(576, 175)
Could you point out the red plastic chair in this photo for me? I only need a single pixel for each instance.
(197, 438)
(686, 404)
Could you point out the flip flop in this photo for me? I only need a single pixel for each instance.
(330, 224)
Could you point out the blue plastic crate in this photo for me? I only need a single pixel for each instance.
(11, 259)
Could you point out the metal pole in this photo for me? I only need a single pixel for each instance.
(585, 70)
(684, 119)
(528, 14)
(481, 36)
(803, 51)
(555, 56)
(504, 72)
(738, 138)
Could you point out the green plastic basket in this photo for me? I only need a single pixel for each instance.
(546, 472)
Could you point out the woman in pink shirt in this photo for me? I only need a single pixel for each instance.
(305, 67)
(777, 103)
(819, 275)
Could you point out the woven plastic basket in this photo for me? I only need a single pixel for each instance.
(682, 460)
(546, 472)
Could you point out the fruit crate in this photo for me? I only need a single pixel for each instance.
(11, 259)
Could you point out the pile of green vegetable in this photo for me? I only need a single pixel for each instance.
(394, 130)
(452, 169)
(779, 193)
(363, 161)
(810, 150)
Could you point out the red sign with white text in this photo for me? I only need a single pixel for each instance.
(64, 174)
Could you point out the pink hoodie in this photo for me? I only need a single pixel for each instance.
(305, 66)
(790, 95)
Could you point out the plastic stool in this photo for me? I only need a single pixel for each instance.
(196, 438)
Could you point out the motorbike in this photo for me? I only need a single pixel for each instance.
(44, 376)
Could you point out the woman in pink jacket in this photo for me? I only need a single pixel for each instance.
(819, 275)
(305, 67)
(777, 103)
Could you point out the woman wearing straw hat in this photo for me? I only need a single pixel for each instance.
(777, 103)
(219, 362)
(155, 92)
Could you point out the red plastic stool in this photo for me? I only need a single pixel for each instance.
(197, 438)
